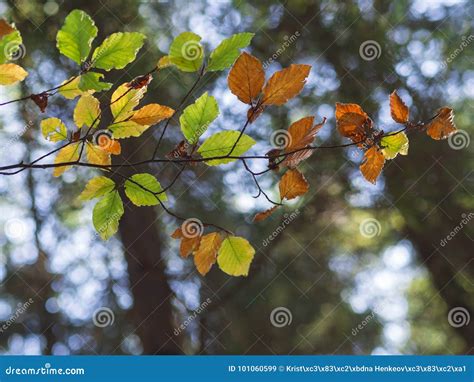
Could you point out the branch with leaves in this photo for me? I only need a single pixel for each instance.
(87, 145)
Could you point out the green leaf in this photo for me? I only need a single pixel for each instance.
(96, 187)
(228, 50)
(75, 37)
(106, 214)
(118, 50)
(53, 129)
(124, 100)
(87, 111)
(71, 89)
(142, 188)
(10, 46)
(186, 52)
(197, 117)
(127, 129)
(221, 143)
(392, 145)
(235, 255)
(92, 81)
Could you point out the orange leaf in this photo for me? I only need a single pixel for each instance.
(246, 78)
(398, 109)
(206, 254)
(188, 244)
(265, 214)
(151, 114)
(442, 125)
(293, 184)
(285, 84)
(5, 28)
(343, 108)
(350, 120)
(372, 165)
(301, 134)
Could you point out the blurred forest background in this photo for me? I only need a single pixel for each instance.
(342, 292)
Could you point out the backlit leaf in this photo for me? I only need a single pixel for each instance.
(151, 114)
(206, 255)
(75, 37)
(71, 90)
(235, 256)
(107, 213)
(164, 62)
(350, 121)
(92, 81)
(69, 153)
(10, 43)
(186, 52)
(197, 117)
(118, 50)
(53, 129)
(372, 165)
(96, 155)
(221, 143)
(127, 129)
(392, 145)
(188, 243)
(11, 74)
(87, 111)
(97, 187)
(285, 84)
(265, 214)
(442, 125)
(5, 28)
(292, 185)
(124, 100)
(142, 190)
(246, 78)
(228, 50)
(398, 109)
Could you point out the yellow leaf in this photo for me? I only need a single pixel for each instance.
(235, 256)
(285, 84)
(87, 111)
(293, 184)
(11, 73)
(124, 100)
(96, 155)
(206, 255)
(398, 109)
(69, 153)
(152, 114)
(246, 78)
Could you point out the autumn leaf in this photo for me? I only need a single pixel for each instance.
(124, 99)
(53, 129)
(235, 256)
(392, 145)
(350, 121)
(264, 214)
(442, 125)
(96, 155)
(206, 255)
(300, 135)
(285, 84)
(5, 28)
(11, 74)
(188, 243)
(293, 184)
(398, 109)
(246, 78)
(97, 187)
(372, 165)
(69, 153)
(87, 111)
(151, 114)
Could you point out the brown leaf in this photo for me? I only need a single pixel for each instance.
(398, 109)
(182, 150)
(206, 254)
(273, 157)
(188, 244)
(352, 121)
(254, 112)
(177, 234)
(265, 214)
(442, 125)
(5, 28)
(301, 134)
(41, 100)
(140, 81)
(372, 165)
(246, 78)
(293, 184)
(285, 84)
